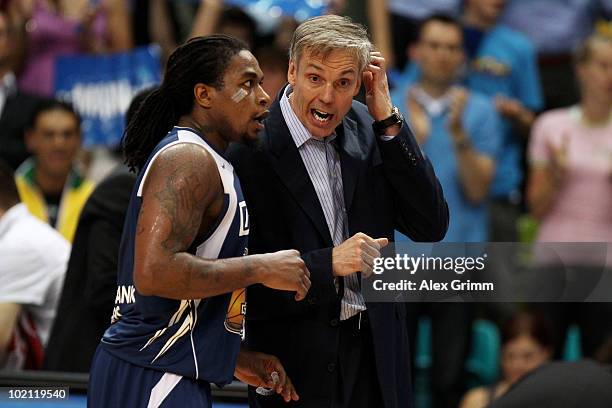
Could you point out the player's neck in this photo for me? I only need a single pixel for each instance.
(205, 131)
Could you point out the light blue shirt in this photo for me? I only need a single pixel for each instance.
(468, 221)
(505, 64)
(555, 26)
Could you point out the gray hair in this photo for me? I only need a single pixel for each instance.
(324, 34)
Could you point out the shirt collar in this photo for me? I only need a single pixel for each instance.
(9, 84)
(577, 116)
(15, 212)
(433, 106)
(298, 131)
(27, 170)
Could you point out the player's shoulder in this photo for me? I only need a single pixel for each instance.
(180, 165)
(186, 155)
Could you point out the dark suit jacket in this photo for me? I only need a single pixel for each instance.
(15, 117)
(387, 185)
(88, 296)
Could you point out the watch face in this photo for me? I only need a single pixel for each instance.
(394, 119)
(398, 114)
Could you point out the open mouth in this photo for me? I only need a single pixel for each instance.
(321, 116)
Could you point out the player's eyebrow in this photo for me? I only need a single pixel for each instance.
(249, 75)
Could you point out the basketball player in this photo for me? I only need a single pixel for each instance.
(176, 326)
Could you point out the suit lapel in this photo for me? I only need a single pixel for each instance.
(7, 110)
(288, 165)
(353, 152)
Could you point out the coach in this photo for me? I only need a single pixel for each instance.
(333, 178)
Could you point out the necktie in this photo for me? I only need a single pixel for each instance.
(352, 301)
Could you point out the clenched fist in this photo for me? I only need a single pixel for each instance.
(357, 254)
(285, 270)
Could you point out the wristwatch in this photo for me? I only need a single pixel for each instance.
(396, 118)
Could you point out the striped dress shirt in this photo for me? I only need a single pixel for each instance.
(322, 163)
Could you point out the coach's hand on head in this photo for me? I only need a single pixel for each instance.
(378, 98)
(285, 270)
(256, 369)
(357, 254)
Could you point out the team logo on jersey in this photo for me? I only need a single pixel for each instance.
(244, 219)
(234, 320)
(186, 315)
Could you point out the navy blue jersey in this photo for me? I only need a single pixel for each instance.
(199, 338)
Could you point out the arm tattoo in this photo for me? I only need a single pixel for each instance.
(181, 201)
(198, 274)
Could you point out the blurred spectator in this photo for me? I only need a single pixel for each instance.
(459, 132)
(284, 32)
(503, 65)
(604, 353)
(527, 343)
(373, 14)
(49, 182)
(214, 18)
(556, 29)
(405, 19)
(274, 64)
(49, 28)
(169, 23)
(32, 270)
(570, 156)
(16, 107)
(88, 295)
(394, 24)
(100, 161)
(172, 22)
(237, 23)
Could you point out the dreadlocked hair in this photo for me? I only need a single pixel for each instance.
(199, 60)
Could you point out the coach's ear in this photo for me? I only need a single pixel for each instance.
(292, 73)
(204, 95)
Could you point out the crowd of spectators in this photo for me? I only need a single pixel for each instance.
(511, 101)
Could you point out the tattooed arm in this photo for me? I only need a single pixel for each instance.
(180, 188)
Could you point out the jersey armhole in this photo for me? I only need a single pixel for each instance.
(150, 163)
